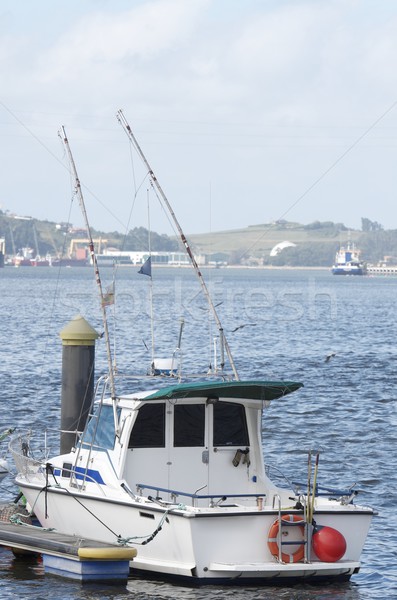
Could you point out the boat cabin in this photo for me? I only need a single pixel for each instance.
(193, 446)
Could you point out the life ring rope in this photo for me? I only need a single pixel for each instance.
(273, 539)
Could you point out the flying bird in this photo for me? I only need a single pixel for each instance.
(329, 356)
(241, 326)
(215, 306)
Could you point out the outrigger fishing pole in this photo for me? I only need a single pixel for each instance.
(224, 344)
(62, 135)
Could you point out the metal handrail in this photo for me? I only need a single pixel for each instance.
(175, 493)
(278, 497)
(103, 380)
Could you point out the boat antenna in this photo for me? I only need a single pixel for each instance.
(224, 343)
(79, 194)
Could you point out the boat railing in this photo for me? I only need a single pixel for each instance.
(215, 499)
(345, 496)
(29, 452)
(101, 388)
(278, 498)
(143, 378)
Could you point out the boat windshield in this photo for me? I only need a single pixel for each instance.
(100, 430)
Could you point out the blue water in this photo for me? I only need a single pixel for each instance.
(288, 322)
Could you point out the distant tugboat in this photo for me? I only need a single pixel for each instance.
(347, 262)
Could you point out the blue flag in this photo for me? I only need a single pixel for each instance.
(146, 268)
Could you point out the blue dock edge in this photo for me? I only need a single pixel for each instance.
(69, 556)
(87, 570)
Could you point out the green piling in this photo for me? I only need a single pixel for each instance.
(78, 366)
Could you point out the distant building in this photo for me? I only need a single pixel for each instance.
(139, 257)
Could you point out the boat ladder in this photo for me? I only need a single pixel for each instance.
(301, 521)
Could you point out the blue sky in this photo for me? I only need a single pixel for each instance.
(248, 111)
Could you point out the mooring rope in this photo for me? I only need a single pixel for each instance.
(120, 540)
(147, 539)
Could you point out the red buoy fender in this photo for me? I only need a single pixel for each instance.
(272, 540)
(328, 543)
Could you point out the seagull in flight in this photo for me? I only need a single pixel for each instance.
(329, 356)
(215, 306)
(241, 326)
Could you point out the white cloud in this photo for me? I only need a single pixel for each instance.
(106, 41)
(258, 98)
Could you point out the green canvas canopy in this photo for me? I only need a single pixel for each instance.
(253, 390)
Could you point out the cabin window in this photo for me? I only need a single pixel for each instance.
(189, 425)
(230, 425)
(149, 428)
(100, 429)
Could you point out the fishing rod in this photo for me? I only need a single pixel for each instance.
(224, 343)
(79, 193)
(311, 493)
(314, 485)
(309, 471)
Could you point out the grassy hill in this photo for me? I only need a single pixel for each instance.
(315, 244)
(262, 238)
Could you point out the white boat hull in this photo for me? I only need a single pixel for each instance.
(222, 543)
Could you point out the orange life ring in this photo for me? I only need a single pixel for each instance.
(272, 540)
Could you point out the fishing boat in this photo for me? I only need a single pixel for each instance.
(175, 467)
(348, 262)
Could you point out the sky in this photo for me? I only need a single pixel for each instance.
(247, 111)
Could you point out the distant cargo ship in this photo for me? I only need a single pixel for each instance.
(347, 262)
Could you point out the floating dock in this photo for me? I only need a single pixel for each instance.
(69, 556)
(382, 270)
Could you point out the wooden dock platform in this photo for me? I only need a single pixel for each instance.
(69, 556)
